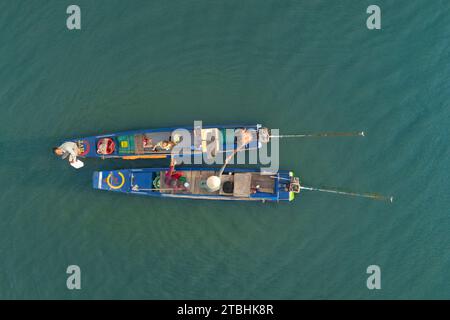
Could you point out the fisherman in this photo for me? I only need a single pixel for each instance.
(244, 137)
(172, 177)
(69, 149)
(164, 146)
(147, 142)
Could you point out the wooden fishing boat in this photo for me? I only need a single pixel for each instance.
(201, 183)
(146, 144)
(232, 184)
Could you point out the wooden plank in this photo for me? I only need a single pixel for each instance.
(242, 184)
(266, 183)
(195, 182)
(144, 157)
(138, 148)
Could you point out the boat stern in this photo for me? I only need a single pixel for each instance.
(96, 179)
(117, 180)
(294, 186)
(288, 185)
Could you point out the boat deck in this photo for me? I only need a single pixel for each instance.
(235, 184)
(209, 141)
(153, 139)
(244, 183)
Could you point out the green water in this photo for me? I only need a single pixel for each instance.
(301, 66)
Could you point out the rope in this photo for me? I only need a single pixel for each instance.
(323, 134)
(374, 196)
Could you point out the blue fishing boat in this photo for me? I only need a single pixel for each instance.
(236, 184)
(158, 143)
(206, 183)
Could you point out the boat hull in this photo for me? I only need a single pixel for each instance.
(131, 145)
(248, 184)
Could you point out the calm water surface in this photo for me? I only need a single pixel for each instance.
(301, 66)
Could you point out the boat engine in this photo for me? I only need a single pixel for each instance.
(294, 185)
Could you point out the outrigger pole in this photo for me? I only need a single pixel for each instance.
(321, 134)
(370, 195)
(374, 196)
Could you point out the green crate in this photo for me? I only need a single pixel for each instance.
(126, 144)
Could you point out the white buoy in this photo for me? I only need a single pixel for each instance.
(213, 183)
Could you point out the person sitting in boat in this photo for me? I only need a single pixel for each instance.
(68, 149)
(172, 178)
(147, 142)
(244, 137)
(164, 146)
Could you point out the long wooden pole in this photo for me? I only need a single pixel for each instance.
(374, 196)
(161, 156)
(370, 195)
(322, 134)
